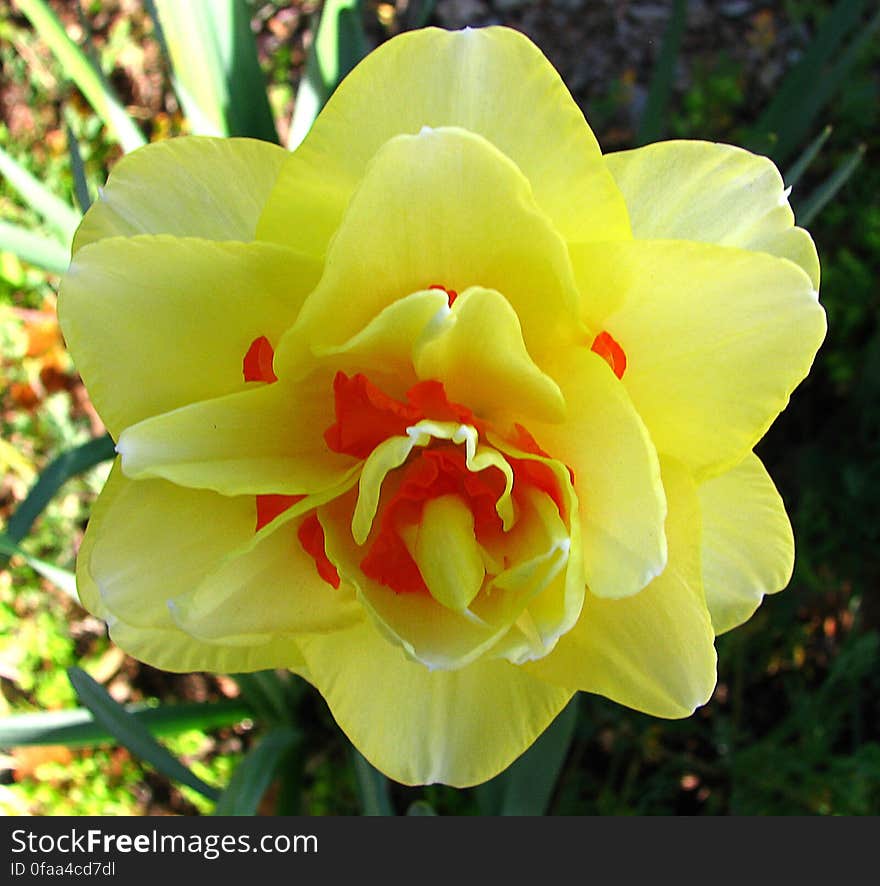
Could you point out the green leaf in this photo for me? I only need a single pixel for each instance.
(267, 695)
(58, 215)
(65, 466)
(132, 734)
(651, 125)
(256, 772)
(44, 252)
(823, 194)
(373, 787)
(526, 786)
(63, 579)
(80, 184)
(339, 44)
(217, 74)
(78, 728)
(813, 82)
(421, 807)
(79, 68)
(809, 154)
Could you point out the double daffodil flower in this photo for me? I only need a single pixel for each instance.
(445, 411)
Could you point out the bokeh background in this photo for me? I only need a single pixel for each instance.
(794, 724)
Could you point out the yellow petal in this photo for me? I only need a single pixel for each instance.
(419, 726)
(692, 190)
(155, 323)
(193, 186)
(748, 546)
(653, 652)
(262, 594)
(491, 81)
(477, 351)
(265, 440)
(148, 541)
(621, 502)
(441, 208)
(716, 339)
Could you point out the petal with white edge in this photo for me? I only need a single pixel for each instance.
(654, 651)
(748, 545)
(159, 322)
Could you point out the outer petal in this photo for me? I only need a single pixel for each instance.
(653, 652)
(716, 339)
(617, 476)
(444, 208)
(420, 726)
(190, 187)
(267, 440)
(691, 190)
(435, 78)
(148, 541)
(748, 546)
(158, 322)
(477, 351)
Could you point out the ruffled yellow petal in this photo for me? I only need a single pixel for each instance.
(692, 190)
(476, 349)
(617, 476)
(653, 652)
(465, 79)
(148, 541)
(716, 339)
(419, 726)
(267, 440)
(193, 186)
(748, 546)
(267, 592)
(443, 208)
(155, 323)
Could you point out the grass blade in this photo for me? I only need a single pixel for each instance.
(819, 198)
(63, 579)
(58, 215)
(79, 68)
(526, 787)
(651, 125)
(132, 734)
(80, 184)
(68, 464)
(809, 154)
(78, 727)
(811, 84)
(256, 772)
(39, 250)
(217, 74)
(373, 787)
(339, 44)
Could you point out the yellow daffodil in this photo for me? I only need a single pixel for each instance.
(445, 411)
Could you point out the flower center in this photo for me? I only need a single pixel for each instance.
(611, 352)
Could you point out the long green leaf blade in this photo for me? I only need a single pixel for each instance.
(63, 579)
(44, 252)
(802, 164)
(80, 69)
(217, 74)
(526, 787)
(132, 734)
(256, 772)
(65, 466)
(372, 786)
(823, 195)
(340, 43)
(58, 215)
(660, 88)
(78, 727)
